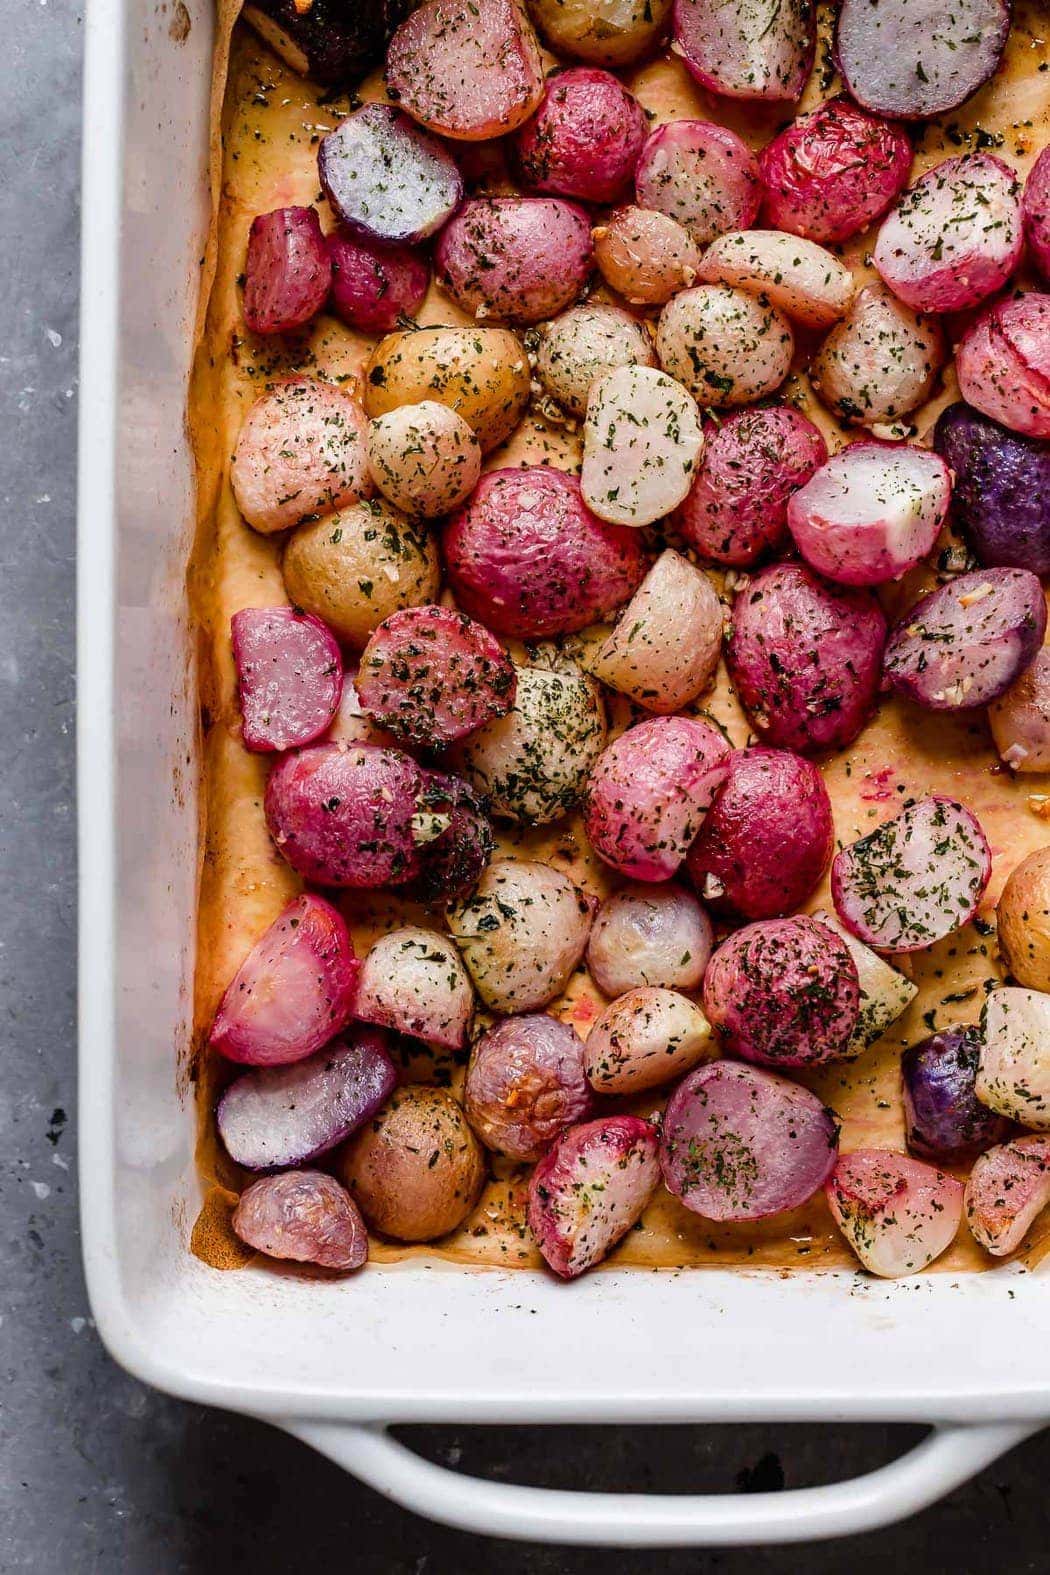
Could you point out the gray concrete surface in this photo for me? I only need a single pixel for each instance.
(98, 1474)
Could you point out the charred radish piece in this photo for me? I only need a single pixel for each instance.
(414, 981)
(1013, 1074)
(1008, 1188)
(647, 1037)
(287, 274)
(589, 1189)
(305, 1216)
(1001, 491)
(641, 442)
(911, 59)
(387, 180)
(468, 69)
(519, 259)
(300, 452)
(897, 1214)
(965, 643)
(799, 277)
(294, 990)
(287, 1115)
(871, 513)
(726, 346)
(584, 139)
(1003, 365)
(649, 792)
(521, 933)
(742, 1144)
(374, 286)
(944, 1119)
(915, 880)
(430, 676)
(289, 676)
(784, 992)
(525, 1085)
(649, 935)
(665, 648)
(701, 175)
(761, 49)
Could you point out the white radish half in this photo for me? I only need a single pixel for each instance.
(955, 237)
(885, 993)
(645, 1038)
(649, 934)
(414, 980)
(871, 513)
(1008, 1187)
(1013, 1073)
(589, 1189)
(880, 362)
(665, 647)
(641, 442)
(897, 1214)
(727, 347)
(915, 879)
(798, 276)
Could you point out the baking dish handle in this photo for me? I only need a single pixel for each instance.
(947, 1457)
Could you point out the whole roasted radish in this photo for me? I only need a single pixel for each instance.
(413, 980)
(518, 259)
(521, 931)
(880, 362)
(525, 1084)
(304, 1215)
(425, 458)
(1020, 719)
(584, 343)
(467, 69)
(287, 272)
(897, 1214)
(726, 346)
(374, 286)
(657, 935)
(589, 1189)
(644, 255)
(1023, 921)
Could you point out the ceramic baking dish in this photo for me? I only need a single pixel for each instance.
(337, 1363)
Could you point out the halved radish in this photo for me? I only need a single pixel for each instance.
(301, 452)
(289, 676)
(1013, 1075)
(741, 1144)
(386, 179)
(589, 1189)
(911, 59)
(884, 992)
(963, 644)
(914, 880)
(466, 68)
(726, 346)
(700, 174)
(760, 49)
(641, 442)
(292, 992)
(954, 238)
(304, 1215)
(943, 1118)
(797, 275)
(1035, 212)
(897, 1214)
(286, 1115)
(665, 647)
(871, 513)
(880, 362)
(431, 675)
(1007, 1188)
(646, 1037)
(414, 980)
(287, 273)
(1003, 365)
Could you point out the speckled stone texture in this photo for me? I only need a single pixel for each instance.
(99, 1476)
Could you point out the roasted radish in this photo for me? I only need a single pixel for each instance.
(301, 451)
(647, 1037)
(1035, 212)
(584, 139)
(287, 273)
(386, 179)
(520, 259)
(880, 362)
(480, 373)
(1008, 1188)
(373, 286)
(760, 50)
(424, 458)
(741, 1144)
(649, 935)
(413, 980)
(1003, 365)
(430, 675)
(727, 347)
(1001, 490)
(897, 1214)
(665, 647)
(641, 442)
(582, 345)
(799, 277)
(466, 68)
(700, 174)
(1023, 921)
(589, 1189)
(1020, 719)
(911, 59)
(605, 32)
(885, 994)
(645, 255)
(915, 879)
(526, 1084)
(944, 1120)
(304, 1215)
(522, 931)
(289, 676)
(1013, 1074)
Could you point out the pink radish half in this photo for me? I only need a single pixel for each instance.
(914, 880)
(1003, 365)
(760, 49)
(287, 272)
(466, 68)
(289, 676)
(896, 1213)
(293, 991)
(1008, 1187)
(911, 59)
(304, 1215)
(701, 175)
(741, 1144)
(871, 513)
(589, 1189)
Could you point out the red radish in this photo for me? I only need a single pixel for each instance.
(287, 1115)
(385, 179)
(520, 259)
(452, 865)
(767, 838)
(287, 274)
(741, 1144)
(414, 981)
(649, 792)
(1013, 1073)
(1008, 1188)
(373, 286)
(965, 643)
(345, 815)
(293, 991)
(954, 238)
(911, 59)
(805, 658)
(304, 1215)
(584, 139)
(784, 992)
(1035, 212)
(528, 558)
(751, 463)
(1003, 365)
(897, 1214)
(431, 675)
(289, 676)
(589, 1189)
(833, 171)
(760, 50)
(301, 452)
(1020, 721)
(871, 513)
(702, 175)
(466, 68)
(915, 879)
(526, 1084)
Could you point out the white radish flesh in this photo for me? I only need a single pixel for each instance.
(413, 980)
(649, 935)
(665, 647)
(641, 442)
(645, 1038)
(587, 1192)
(897, 1214)
(885, 994)
(1013, 1075)
(727, 347)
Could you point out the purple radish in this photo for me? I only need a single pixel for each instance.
(911, 59)
(387, 179)
(304, 1215)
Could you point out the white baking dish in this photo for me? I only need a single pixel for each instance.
(335, 1363)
